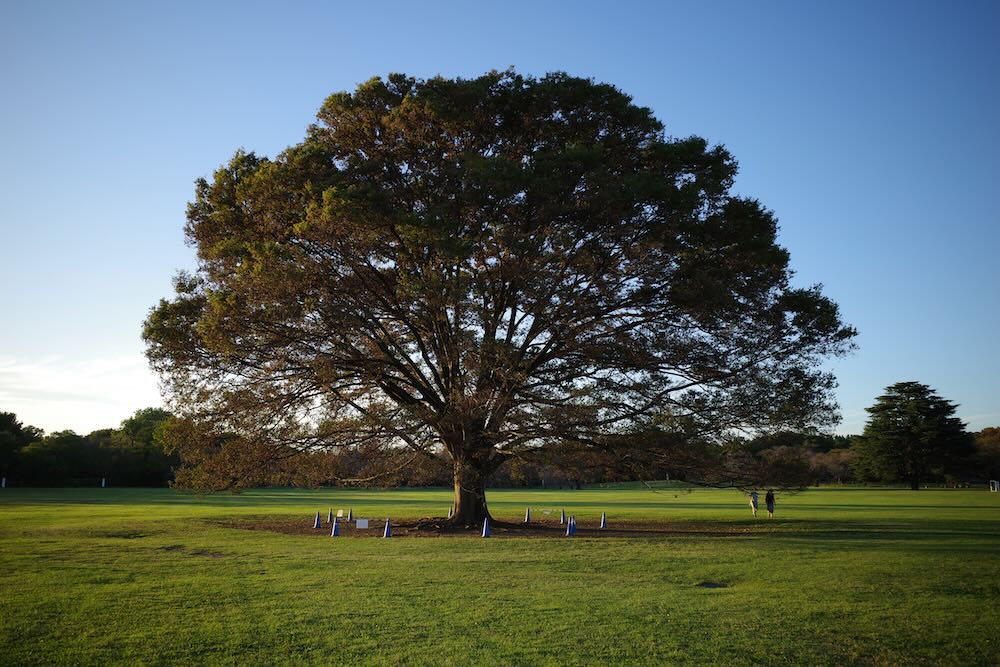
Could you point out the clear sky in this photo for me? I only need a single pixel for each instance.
(870, 128)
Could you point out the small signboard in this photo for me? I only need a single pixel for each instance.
(340, 513)
(362, 523)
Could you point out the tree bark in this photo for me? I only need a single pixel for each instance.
(469, 506)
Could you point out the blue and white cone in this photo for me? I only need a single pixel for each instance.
(317, 524)
(350, 515)
(569, 530)
(572, 524)
(336, 528)
(562, 517)
(527, 515)
(388, 528)
(329, 517)
(486, 527)
(604, 519)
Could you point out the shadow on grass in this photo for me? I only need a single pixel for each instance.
(910, 535)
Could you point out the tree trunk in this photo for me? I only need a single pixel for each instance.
(469, 507)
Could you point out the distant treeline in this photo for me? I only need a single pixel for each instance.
(132, 455)
(787, 457)
(140, 453)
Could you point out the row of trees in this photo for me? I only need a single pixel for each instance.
(912, 437)
(135, 454)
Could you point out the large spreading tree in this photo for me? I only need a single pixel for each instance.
(912, 434)
(486, 269)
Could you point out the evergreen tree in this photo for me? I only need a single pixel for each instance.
(912, 435)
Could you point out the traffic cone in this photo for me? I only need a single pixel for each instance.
(604, 520)
(388, 528)
(562, 517)
(350, 515)
(486, 527)
(527, 515)
(569, 530)
(316, 524)
(572, 523)
(336, 528)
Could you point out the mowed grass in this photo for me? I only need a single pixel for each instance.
(840, 576)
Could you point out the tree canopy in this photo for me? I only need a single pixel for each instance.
(912, 435)
(486, 268)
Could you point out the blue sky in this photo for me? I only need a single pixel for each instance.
(870, 129)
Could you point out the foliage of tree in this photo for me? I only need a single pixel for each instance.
(484, 268)
(834, 466)
(14, 436)
(912, 435)
(987, 456)
(63, 458)
(813, 441)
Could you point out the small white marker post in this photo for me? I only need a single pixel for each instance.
(562, 517)
(329, 517)
(527, 515)
(350, 514)
(3, 483)
(604, 520)
(104, 482)
(388, 528)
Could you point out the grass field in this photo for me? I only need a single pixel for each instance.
(840, 576)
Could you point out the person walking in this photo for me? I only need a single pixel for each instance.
(769, 501)
(753, 502)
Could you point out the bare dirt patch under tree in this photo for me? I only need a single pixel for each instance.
(438, 527)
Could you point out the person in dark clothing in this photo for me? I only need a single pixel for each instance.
(769, 501)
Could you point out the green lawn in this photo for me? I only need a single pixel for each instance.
(840, 576)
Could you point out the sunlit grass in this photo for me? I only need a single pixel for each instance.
(839, 576)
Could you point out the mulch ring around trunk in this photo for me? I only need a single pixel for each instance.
(438, 527)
